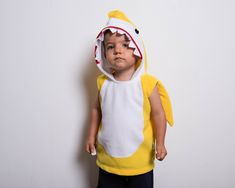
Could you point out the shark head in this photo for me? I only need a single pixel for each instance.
(118, 22)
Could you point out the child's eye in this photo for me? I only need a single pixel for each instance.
(109, 47)
(126, 45)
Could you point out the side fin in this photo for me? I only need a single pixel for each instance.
(166, 103)
(149, 82)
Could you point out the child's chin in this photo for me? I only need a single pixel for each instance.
(119, 65)
(119, 61)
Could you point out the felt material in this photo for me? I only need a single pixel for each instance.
(125, 138)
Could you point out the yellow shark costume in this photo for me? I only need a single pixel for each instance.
(125, 141)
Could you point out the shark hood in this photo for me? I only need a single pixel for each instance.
(119, 23)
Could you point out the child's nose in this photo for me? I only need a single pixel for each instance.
(117, 49)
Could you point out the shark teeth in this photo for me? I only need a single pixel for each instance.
(131, 44)
(136, 52)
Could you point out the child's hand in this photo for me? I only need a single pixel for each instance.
(161, 152)
(90, 146)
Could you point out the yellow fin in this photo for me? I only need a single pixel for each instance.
(119, 15)
(166, 103)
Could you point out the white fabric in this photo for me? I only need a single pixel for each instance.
(122, 27)
(121, 133)
(122, 126)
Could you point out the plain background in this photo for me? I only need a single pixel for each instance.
(48, 83)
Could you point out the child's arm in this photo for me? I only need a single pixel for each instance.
(159, 124)
(94, 125)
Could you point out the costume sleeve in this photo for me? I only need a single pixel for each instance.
(149, 82)
(100, 81)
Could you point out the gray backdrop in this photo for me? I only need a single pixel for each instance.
(48, 82)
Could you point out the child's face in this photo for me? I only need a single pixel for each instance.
(117, 52)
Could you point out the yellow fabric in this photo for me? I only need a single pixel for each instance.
(100, 81)
(119, 15)
(145, 60)
(142, 160)
(165, 99)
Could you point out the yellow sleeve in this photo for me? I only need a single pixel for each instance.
(100, 81)
(149, 82)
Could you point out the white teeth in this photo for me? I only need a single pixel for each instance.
(136, 52)
(112, 30)
(128, 37)
(123, 32)
(98, 54)
(120, 32)
(132, 45)
(101, 37)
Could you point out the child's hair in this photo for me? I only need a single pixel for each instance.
(110, 33)
(107, 32)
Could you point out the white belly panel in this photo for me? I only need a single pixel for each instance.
(122, 117)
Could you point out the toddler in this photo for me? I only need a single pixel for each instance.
(128, 120)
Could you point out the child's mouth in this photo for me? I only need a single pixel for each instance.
(118, 59)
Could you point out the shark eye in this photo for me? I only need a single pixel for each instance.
(136, 31)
